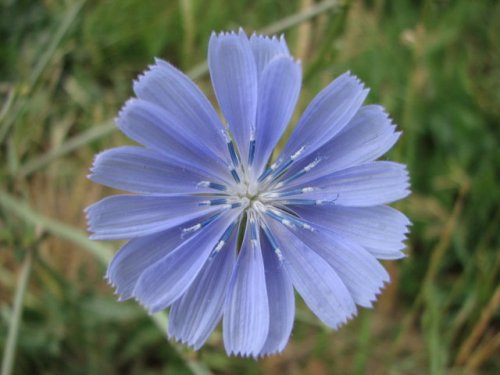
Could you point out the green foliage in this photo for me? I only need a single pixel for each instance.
(66, 68)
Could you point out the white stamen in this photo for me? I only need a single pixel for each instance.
(310, 166)
(307, 227)
(212, 185)
(272, 195)
(225, 134)
(219, 246)
(252, 188)
(279, 254)
(259, 207)
(194, 228)
(297, 153)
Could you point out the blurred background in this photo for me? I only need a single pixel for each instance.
(66, 67)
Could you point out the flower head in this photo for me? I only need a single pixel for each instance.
(217, 231)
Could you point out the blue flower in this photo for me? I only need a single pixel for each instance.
(217, 231)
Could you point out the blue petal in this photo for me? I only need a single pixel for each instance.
(266, 48)
(155, 128)
(234, 78)
(246, 310)
(369, 135)
(361, 273)
(168, 279)
(328, 113)
(196, 314)
(172, 90)
(281, 302)
(140, 170)
(129, 216)
(315, 280)
(370, 184)
(279, 89)
(137, 255)
(380, 229)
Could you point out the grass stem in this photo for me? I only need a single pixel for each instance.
(15, 320)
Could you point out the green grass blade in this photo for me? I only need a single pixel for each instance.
(99, 251)
(22, 210)
(196, 72)
(10, 346)
(71, 145)
(49, 51)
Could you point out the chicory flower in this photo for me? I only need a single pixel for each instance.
(218, 229)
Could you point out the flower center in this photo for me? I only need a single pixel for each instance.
(248, 192)
(252, 190)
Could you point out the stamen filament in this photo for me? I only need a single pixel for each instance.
(214, 202)
(277, 195)
(201, 224)
(288, 220)
(235, 175)
(251, 152)
(222, 241)
(310, 202)
(272, 241)
(212, 185)
(277, 170)
(300, 173)
(232, 153)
